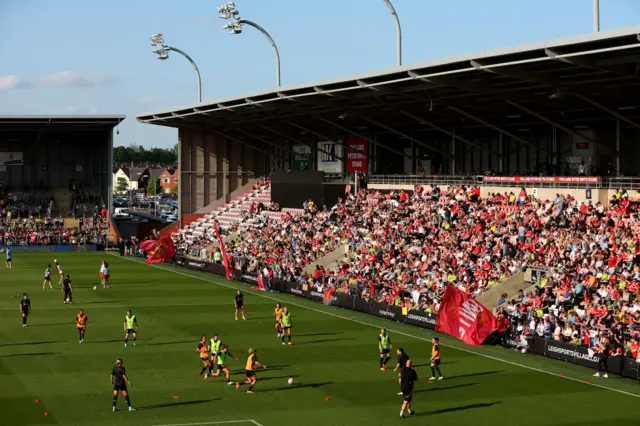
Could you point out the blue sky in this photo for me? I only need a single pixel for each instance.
(94, 57)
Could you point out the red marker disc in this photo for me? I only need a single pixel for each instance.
(175, 396)
(46, 413)
(327, 399)
(589, 383)
(560, 374)
(37, 400)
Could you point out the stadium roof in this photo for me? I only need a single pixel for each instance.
(76, 123)
(571, 80)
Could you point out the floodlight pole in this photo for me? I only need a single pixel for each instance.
(398, 31)
(273, 44)
(195, 67)
(596, 16)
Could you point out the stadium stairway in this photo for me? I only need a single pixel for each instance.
(510, 286)
(61, 199)
(328, 260)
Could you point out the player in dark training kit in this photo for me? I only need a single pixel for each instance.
(25, 308)
(408, 377)
(119, 381)
(66, 289)
(402, 361)
(384, 348)
(239, 303)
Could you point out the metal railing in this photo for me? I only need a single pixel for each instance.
(628, 183)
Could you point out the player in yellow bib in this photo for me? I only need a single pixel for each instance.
(285, 322)
(130, 328)
(384, 348)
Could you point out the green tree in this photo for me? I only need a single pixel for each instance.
(122, 185)
(174, 191)
(154, 187)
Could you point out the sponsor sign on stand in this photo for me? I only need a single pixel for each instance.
(542, 179)
(421, 319)
(250, 278)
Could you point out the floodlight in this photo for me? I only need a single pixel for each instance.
(234, 27)
(157, 39)
(228, 11)
(162, 53)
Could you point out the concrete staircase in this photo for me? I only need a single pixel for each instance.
(328, 260)
(510, 286)
(61, 199)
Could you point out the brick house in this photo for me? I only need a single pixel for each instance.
(169, 180)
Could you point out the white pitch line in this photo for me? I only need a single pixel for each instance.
(399, 332)
(215, 423)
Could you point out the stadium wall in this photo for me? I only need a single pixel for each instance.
(212, 166)
(623, 366)
(49, 248)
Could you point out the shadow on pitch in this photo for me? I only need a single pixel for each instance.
(33, 343)
(264, 379)
(426, 364)
(103, 302)
(170, 343)
(32, 354)
(177, 404)
(310, 342)
(441, 388)
(319, 334)
(117, 340)
(455, 409)
(481, 373)
(300, 386)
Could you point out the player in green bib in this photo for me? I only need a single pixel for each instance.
(222, 363)
(286, 324)
(384, 347)
(215, 346)
(130, 327)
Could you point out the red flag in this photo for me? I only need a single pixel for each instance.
(328, 294)
(260, 282)
(225, 259)
(463, 317)
(158, 251)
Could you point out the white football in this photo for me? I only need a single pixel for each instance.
(95, 287)
(55, 260)
(290, 381)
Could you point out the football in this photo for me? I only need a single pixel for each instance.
(290, 381)
(55, 260)
(95, 287)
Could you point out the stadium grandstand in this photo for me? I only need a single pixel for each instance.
(507, 173)
(55, 178)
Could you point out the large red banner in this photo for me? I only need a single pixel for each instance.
(461, 316)
(158, 251)
(357, 160)
(542, 179)
(225, 258)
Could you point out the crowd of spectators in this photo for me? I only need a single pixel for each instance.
(405, 248)
(46, 230)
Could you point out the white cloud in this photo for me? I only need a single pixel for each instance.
(9, 82)
(70, 78)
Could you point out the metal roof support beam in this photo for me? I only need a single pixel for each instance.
(558, 125)
(404, 135)
(313, 132)
(516, 73)
(493, 126)
(241, 142)
(275, 145)
(370, 140)
(448, 132)
(609, 111)
(296, 141)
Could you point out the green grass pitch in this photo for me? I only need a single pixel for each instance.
(334, 356)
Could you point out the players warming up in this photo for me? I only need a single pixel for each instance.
(25, 308)
(130, 327)
(384, 347)
(81, 324)
(402, 361)
(435, 359)
(286, 324)
(8, 254)
(250, 371)
(278, 314)
(66, 289)
(239, 304)
(47, 277)
(103, 274)
(203, 350)
(106, 283)
(119, 381)
(222, 363)
(408, 377)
